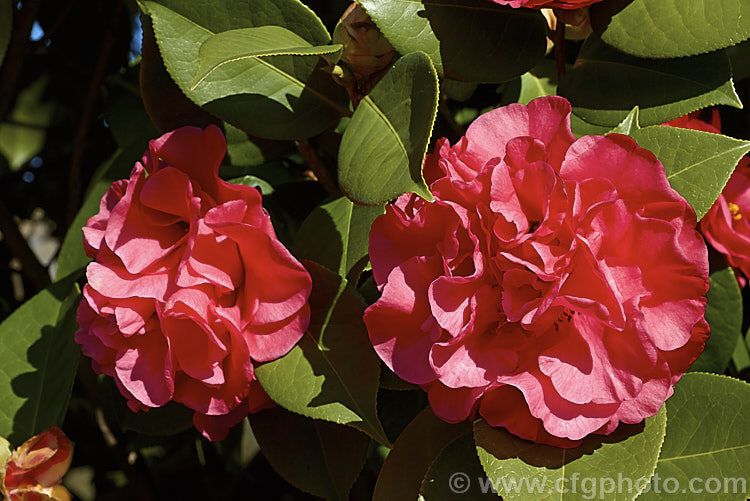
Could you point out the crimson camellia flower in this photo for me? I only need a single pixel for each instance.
(555, 286)
(189, 285)
(726, 225)
(35, 470)
(547, 4)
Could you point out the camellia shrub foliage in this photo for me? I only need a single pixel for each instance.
(389, 249)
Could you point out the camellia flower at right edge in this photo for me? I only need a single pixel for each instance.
(555, 287)
(726, 225)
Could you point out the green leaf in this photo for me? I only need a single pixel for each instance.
(250, 43)
(336, 235)
(255, 182)
(629, 124)
(539, 81)
(698, 163)
(724, 315)
(457, 472)
(382, 150)
(708, 437)
(580, 127)
(72, 255)
(38, 358)
(671, 28)
(24, 132)
(605, 84)
(333, 372)
(471, 40)
(523, 470)
(240, 149)
(6, 26)
(741, 354)
(276, 97)
(318, 457)
(414, 451)
(234, 14)
(458, 91)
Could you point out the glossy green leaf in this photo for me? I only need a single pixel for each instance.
(523, 470)
(457, 472)
(336, 235)
(318, 457)
(276, 97)
(724, 315)
(629, 124)
(708, 437)
(671, 28)
(382, 150)
(414, 451)
(333, 372)
(251, 43)
(471, 40)
(23, 135)
(38, 358)
(234, 14)
(605, 84)
(698, 163)
(6, 26)
(72, 256)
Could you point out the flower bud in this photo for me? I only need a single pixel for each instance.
(35, 469)
(366, 51)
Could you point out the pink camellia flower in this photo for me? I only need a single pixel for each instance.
(555, 286)
(189, 285)
(547, 4)
(35, 470)
(726, 225)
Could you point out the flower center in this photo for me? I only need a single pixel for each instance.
(565, 317)
(735, 210)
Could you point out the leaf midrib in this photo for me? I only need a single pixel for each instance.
(707, 453)
(708, 159)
